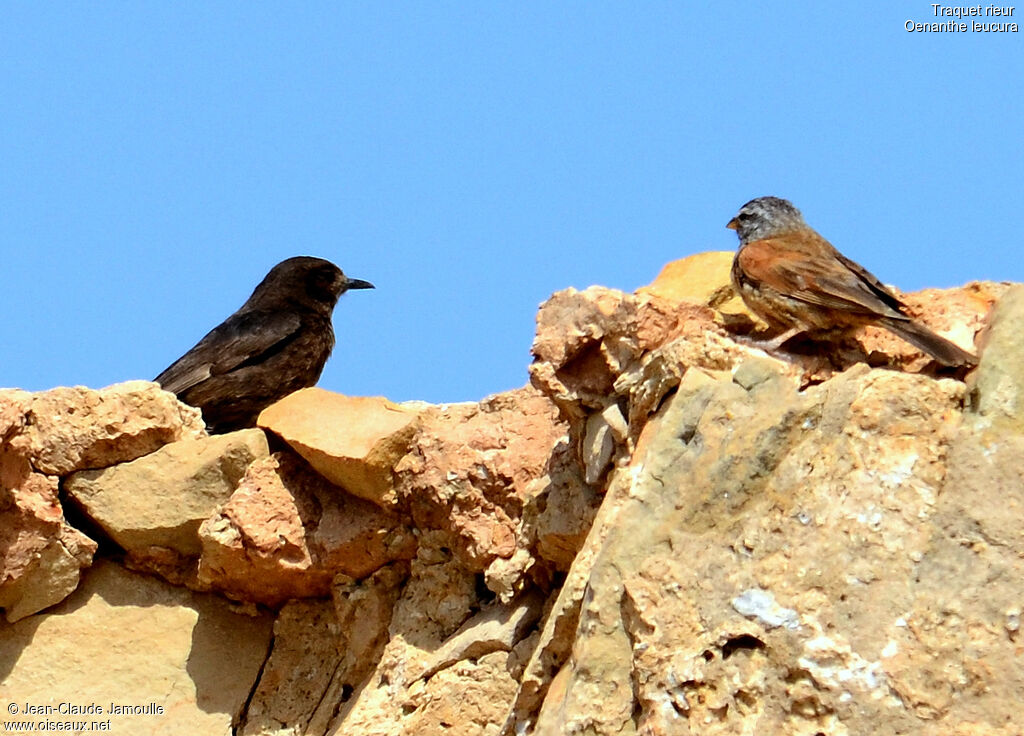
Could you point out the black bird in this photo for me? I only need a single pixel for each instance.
(276, 343)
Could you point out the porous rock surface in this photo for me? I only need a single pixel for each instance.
(667, 532)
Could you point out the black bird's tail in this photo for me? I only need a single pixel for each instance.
(924, 339)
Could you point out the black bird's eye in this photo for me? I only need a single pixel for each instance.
(320, 283)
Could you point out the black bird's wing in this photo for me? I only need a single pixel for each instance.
(241, 339)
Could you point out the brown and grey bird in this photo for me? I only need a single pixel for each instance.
(276, 343)
(796, 281)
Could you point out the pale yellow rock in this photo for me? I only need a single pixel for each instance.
(161, 499)
(129, 640)
(702, 278)
(437, 599)
(537, 693)
(353, 441)
(496, 628)
(1000, 377)
(466, 699)
(299, 672)
(598, 445)
(365, 610)
(322, 653)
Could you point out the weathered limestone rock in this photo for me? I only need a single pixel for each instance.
(745, 590)
(464, 700)
(559, 516)
(322, 653)
(957, 659)
(496, 628)
(131, 640)
(699, 539)
(353, 441)
(471, 467)
(161, 499)
(436, 600)
(837, 518)
(286, 533)
(443, 668)
(999, 384)
(40, 555)
(587, 339)
(607, 360)
(298, 673)
(53, 433)
(365, 610)
(40, 570)
(68, 429)
(546, 672)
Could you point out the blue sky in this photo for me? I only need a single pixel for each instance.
(469, 159)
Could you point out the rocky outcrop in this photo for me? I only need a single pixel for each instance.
(132, 654)
(159, 500)
(287, 533)
(45, 435)
(353, 441)
(668, 532)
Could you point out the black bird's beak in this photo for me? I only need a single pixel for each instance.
(733, 225)
(358, 284)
